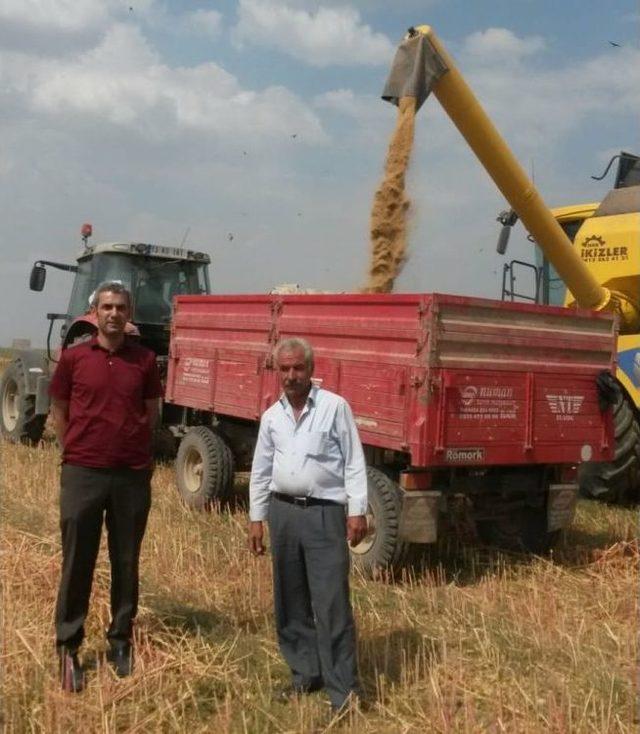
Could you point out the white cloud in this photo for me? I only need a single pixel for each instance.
(363, 120)
(124, 82)
(414, 9)
(66, 27)
(204, 22)
(535, 107)
(326, 37)
(630, 17)
(68, 16)
(61, 15)
(121, 136)
(497, 45)
(347, 102)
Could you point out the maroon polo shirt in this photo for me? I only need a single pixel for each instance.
(108, 426)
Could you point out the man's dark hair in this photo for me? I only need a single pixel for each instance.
(110, 286)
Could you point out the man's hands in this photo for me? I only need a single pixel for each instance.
(60, 418)
(256, 533)
(356, 529)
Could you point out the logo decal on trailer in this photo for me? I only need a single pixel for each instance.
(487, 403)
(194, 371)
(565, 407)
(468, 394)
(464, 456)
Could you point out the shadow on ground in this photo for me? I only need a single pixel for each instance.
(185, 618)
(458, 562)
(388, 658)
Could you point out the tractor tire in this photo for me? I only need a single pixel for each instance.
(18, 419)
(204, 468)
(617, 481)
(381, 550)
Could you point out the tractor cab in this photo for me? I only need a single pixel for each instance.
(153, 274)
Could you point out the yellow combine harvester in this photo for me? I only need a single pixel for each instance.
(593, 249)
(606, 237)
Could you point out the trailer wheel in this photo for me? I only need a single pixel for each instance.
(204, 468)
(522, 529)
(617, 481)
(18, 418)
(381, 548)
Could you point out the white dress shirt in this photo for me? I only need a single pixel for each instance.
(319, 455)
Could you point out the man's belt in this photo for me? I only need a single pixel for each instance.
(303, 501)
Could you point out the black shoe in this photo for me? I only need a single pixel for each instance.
(71, 672)
(120, 658)
(286, 693)
(351, 705)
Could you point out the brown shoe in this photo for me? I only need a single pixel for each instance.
(71, 672)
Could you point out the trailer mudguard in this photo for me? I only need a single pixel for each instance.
(35, 366)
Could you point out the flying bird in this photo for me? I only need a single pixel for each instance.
(617, 45)
(230, 236)
(295, 135)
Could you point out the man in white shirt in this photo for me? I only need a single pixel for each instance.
(309, 480)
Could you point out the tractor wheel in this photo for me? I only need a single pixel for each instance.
(18, 419)
(381, 549)
(204, 468)
(617, 481)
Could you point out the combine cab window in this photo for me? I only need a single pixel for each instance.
(571, 228)
(554, 290)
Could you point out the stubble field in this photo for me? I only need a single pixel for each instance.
(482, 643)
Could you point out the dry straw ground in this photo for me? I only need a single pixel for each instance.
(484, 643)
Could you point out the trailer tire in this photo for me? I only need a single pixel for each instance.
(19, 421)
(617, 481)
(381, 550)
(204, 468)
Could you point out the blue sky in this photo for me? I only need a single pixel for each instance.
(152, 118)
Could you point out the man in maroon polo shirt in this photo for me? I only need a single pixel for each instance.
(104, 404)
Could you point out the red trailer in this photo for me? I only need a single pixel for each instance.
(460, 402)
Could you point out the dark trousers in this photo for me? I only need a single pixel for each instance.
(314, 620)
(122, 497)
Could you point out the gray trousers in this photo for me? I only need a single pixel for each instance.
(314, 620)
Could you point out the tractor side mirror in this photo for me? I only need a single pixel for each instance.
(507, 219)
(37, 277)
(503, 239)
